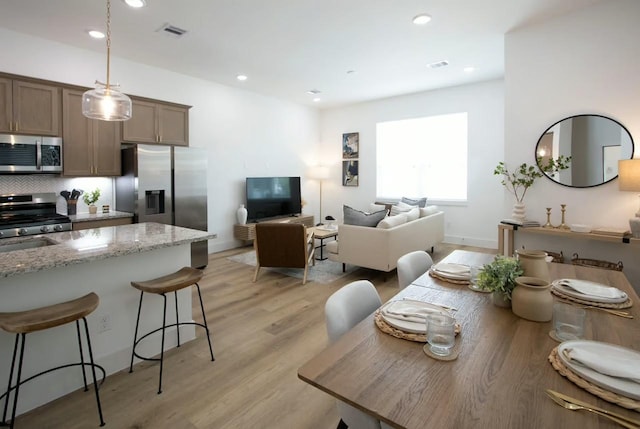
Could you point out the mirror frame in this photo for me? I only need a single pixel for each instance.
(603, 147)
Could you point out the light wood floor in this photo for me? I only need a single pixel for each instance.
(262, 332)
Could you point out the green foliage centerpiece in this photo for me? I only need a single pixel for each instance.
(499, 277)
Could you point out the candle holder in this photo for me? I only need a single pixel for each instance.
(548, 224)
(563, 209)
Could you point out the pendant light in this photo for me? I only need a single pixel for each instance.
(105, 102)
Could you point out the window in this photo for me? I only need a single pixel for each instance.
(423, 157)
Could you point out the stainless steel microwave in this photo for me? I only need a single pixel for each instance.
(30, 154)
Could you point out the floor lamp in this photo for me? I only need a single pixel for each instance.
(629, 180)
(319, 173)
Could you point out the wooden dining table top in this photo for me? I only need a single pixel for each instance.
(500, 376)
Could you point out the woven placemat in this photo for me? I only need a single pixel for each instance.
(628, 303)
(455, 352)
(448, 280)
(608, 396)
(388, 329)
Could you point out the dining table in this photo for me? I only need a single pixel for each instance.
(500, 376)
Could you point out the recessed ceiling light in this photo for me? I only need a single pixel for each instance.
(469, 69)
(96, 34)
(421, 19)
(351, 71)
(315, 100)
(136, 3)
(241, 77)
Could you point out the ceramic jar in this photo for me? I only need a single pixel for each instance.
(532, 300)
(534, 263)
(241, 214)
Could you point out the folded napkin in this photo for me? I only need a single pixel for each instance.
(410, 311)
(614, 366)
(456, 269)
(592, 289)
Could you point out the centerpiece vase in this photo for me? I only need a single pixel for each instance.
(534, 263)
(518, 212)
(532, 300)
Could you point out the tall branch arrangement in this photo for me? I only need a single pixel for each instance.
(523, 177)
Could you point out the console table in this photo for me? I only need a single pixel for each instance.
(508, 232)
(247, 231)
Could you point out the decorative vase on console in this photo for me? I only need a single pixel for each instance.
(241, 214)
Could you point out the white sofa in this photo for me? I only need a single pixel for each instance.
(379, 248)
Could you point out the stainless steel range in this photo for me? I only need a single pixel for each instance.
(30, 214)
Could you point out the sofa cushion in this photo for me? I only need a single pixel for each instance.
(412, 214)
(420, 202)
(401, 208)
(428, 211)
(360, 218)
(392, 221)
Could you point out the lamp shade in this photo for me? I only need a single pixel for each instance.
(318, 172)
(629, 175)
(106, 104)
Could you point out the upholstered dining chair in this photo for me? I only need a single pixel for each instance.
(344, 309)
(283, 245)
(411, 266)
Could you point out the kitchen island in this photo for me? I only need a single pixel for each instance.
(71, 264)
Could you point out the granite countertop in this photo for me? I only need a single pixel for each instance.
(86, 217)
(77, 247)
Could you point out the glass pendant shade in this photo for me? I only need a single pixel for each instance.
(106, 104)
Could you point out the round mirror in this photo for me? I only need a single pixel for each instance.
(595, 144)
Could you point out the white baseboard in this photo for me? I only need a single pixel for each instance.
(466, 241)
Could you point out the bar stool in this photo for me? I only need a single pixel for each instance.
(181, 279)
(24, 322)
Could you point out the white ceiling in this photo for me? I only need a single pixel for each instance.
(287, 47)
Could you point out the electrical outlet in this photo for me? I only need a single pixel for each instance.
(104, 323)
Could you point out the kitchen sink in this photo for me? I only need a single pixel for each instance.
(30, 243)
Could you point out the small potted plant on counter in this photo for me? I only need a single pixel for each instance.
(499, 277)
(90, 199)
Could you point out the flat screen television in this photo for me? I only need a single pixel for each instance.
(269, 197)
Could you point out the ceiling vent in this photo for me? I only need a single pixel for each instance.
(438, 64)
(171, 30)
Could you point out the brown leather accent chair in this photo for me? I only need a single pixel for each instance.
(283, 245)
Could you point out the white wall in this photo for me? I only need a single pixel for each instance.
(246, 134)
(473, 223)
(584, 62)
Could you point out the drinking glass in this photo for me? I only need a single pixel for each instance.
(568, 321)
(441, 334)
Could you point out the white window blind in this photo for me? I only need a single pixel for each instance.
(423, 157)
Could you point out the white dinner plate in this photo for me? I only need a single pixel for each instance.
(407, 325)
(575, 294)
(622, 386)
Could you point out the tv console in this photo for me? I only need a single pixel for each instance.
(247, 231)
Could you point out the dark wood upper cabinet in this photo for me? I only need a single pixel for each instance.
(156, 122)
(29, 108)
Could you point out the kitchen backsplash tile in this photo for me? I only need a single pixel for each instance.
(25, 184)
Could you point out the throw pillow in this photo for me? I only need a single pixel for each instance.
(420, 202)
(428, 211)
(392, 221)
(412, 214)
(401, 208)
(360, 218)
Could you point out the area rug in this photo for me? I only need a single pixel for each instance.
(323, 272)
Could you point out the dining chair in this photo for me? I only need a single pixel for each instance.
(411, 266)
(287, 245)
(344, 309)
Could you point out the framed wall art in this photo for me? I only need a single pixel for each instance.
(350, 174)
(350, 145)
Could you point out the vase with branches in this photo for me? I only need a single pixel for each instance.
(523, 177)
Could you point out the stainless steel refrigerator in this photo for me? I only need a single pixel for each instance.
(166, 184)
